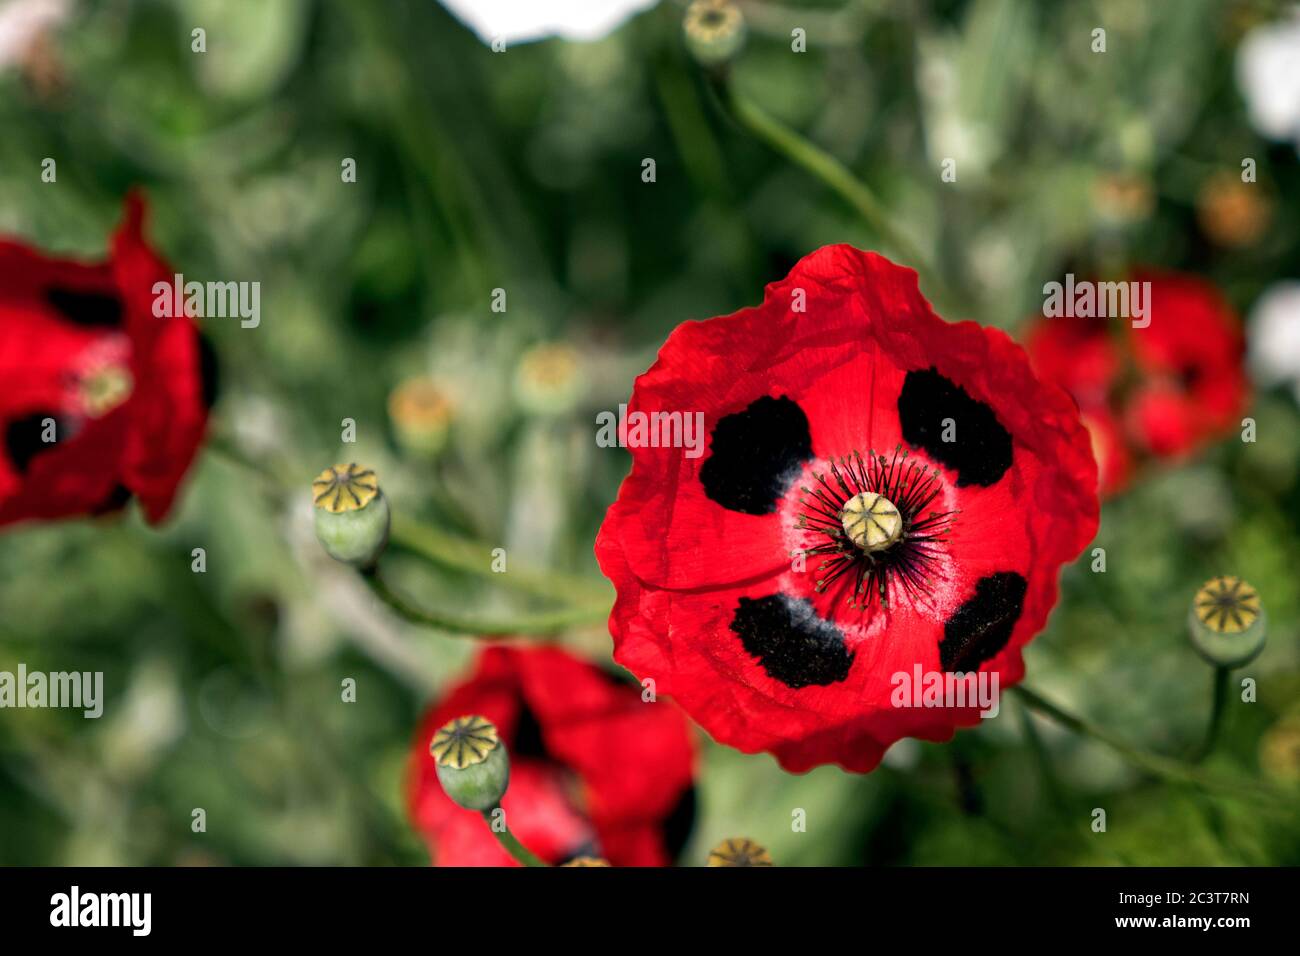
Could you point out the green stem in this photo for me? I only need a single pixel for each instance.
(834, 174)
(1217, 708)
(456, 554)
(1165, 768)
(1042, 757)
(509, 842)
(473, 625)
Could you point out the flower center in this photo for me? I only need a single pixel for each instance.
(342, 488)
(1227, 605)
(105, 388)
(464, 742)
(871, 521)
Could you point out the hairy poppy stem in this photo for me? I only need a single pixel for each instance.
(508, 841)
(1166, 768)
(472, 625)
(835, 175)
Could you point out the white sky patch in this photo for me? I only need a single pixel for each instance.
(518, 21)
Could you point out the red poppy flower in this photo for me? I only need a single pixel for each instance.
(102, 400)
(841, 387)
(594, 770)
(1159, 391)
(1192, 386)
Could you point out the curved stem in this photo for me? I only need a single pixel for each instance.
(508, 841)
(1165, 768)
(472, 625)
(834, 174)
(1217, 708)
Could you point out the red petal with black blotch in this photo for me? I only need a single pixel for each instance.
(1192, 385)
(169, 412)
(601, 772)
(737, 635)
(58, 317)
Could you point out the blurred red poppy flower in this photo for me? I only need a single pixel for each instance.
(883, 491)
(594, 770)
(1159, 391)
(102, 400)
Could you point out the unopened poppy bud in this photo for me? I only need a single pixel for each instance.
(421, 415)
(715, 31)
(739, 851)
(549, 379)
(1227, 623)
(351, 514)
(1119, 199)
(472, 763)
(1232, 213)
(586, 861)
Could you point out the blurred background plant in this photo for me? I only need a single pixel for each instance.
(522, 170)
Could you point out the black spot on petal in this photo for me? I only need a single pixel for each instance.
(755, 454)
(528, 736)
(90, 309)
(25, 438)
(114, 501)
(982, 626)
(790, 642)
(980, 451)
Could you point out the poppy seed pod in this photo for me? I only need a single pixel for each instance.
(739, 851)
(715, 31)
(473, 765)
(1227, 623)
(351, 514)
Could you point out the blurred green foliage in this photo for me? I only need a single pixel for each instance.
(522, 171)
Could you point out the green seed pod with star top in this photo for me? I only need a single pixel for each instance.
(472, 762)
(715, 31)
(351, 514)
(739, 851)
(1227, 623)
